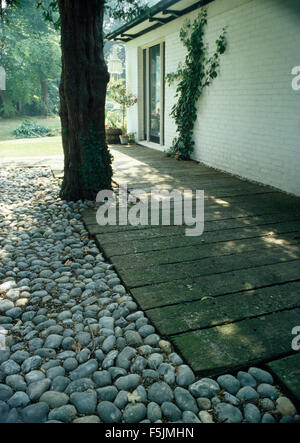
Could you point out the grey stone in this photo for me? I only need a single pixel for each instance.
(83, 355)
(19, 400)
(70, 364)
(267, 391)
(121, 399)
(107, 393)
(20, 356)
(64, 413)
(146, 330)
(261, 375)
(10, 367)
(87, 419)
(251, 413)
(133, 338)
(155, 360)
(175, 359)
(36, 389)
(54, 399)
(190, 417)
(128, 382)
(204, 404)
(247, 394)
(134, 413)
(229, 383)
(152, 340)
(170, 411)
(102, 378)
(159, 392)
(16, 382)
(79, 385)
(4, 411)
(5, 392)
(60, 383)
(53, 341)
(125, 356)
(31, 363)
(84, 370)
(154, 412)
(228, 414)
(57, 371)
(185, 376)
(268, 418)
(246, 379)
(267, 404)
(85, 402)
(108, 412)
(185, 400)
(231, 399)
(205, 387)
(285, 406)
(109, 343)
(83, 338)
(35, 413)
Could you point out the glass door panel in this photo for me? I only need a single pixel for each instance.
(154, 90)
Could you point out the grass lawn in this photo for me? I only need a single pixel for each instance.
(10, 146)
(31, 147)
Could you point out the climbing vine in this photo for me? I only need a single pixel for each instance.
(95, 162)
(197, 72)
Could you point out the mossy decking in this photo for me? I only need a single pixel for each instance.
(229, 298)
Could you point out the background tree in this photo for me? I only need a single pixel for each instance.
(30, 53)
(87, 161)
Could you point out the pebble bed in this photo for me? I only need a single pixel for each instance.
(78, 349)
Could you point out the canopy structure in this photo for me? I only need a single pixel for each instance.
(163, 12)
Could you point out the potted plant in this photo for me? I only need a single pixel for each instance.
(117, 92)
(112, 125)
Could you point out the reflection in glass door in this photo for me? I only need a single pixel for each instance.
(155, 93)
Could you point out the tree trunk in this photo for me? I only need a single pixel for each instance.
(87, 162)
(44, 91)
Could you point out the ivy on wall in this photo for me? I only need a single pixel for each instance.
(197, 72)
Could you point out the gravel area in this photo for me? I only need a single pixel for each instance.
(78, 349)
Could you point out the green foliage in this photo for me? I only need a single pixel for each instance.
(29, 129)
(30, 54)
(96, 162)
(117, 92)
(197, 72)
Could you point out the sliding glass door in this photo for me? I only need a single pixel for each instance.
(155, 93)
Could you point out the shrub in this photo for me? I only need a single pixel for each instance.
(29, 129)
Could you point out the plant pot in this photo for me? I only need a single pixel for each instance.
(124, 139)
(112, 135)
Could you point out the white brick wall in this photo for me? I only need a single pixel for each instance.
(249, 118)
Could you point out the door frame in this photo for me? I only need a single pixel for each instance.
(146, 92)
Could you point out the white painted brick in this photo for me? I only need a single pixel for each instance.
(249, 119)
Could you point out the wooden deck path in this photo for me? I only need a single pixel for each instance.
(227, 299)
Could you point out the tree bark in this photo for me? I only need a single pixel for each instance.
(82, 98)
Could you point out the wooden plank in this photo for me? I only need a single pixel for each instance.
(207, 266)
(276, 222)
(238, 345)
(287, 372)
(190, 289)
(202, 250)
(182, 246)
(214, 311)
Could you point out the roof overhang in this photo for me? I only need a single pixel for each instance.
(163, 12)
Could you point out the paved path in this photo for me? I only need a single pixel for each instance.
(228, 299)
